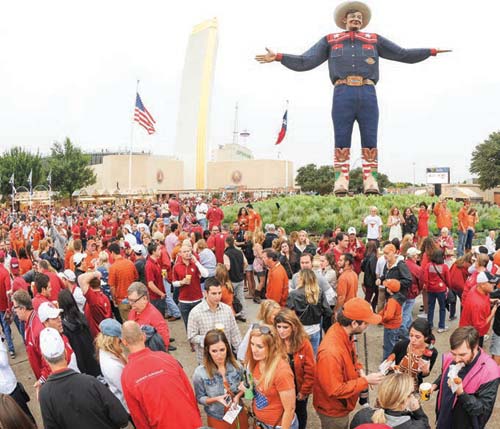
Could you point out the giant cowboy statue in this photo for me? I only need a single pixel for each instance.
(353, 58)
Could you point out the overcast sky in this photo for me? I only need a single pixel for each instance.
(69, 69)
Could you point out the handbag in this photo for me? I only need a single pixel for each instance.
(237, 306)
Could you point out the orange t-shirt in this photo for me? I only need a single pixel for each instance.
(392, 314)
(25, 265)
(122, 273)
(463, 219)
(277, 284)
(347, 285)
(443, 216)
(227, 297)
(283, 380)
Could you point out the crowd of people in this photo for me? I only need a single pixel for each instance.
(92, 291)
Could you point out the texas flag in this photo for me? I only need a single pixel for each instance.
(282, 133)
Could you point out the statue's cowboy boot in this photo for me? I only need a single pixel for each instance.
(341, 169)
(369, 162)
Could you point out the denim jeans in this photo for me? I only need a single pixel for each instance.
(294, 425)
(160, 305)
(453, 304)
(172, 308)
(390, 339)
(301, 412)
(315, 340)
(240, 294)
(461, 243)
(20, 326)
(7, 331)
(441, 297)
(203, 223)
(185, 308)
(407, 317)
(352, 103)
(468, 239)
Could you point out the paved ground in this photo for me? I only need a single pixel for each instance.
(184, 354)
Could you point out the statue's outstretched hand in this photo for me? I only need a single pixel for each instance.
(269, 57)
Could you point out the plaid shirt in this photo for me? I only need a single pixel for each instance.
(202, 319)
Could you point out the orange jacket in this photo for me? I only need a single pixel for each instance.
(337, 383)
(443, 216)
(277, 284)
(304, 366)
(392, 314)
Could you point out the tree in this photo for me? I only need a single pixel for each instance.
(486, 162)
(20, 162)
(70, 168)
(356, 181)
(313, 179)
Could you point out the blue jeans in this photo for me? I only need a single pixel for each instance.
(441, 297)
(390, 339)
(315, 340)
(294, 425)
(355, 103)
(407, 317)
(203, 223)
(172, 308)
(20, 326)
(7, 332)
(468, 239)
(185, 308)
(461, 243)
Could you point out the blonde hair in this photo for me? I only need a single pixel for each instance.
(111, 345)
(309, 281)
(103, 258)
(266, 309)
(222, 276)
(42, 246)
(393, 393)
(258, 237)
(275, 354)
(201, 245)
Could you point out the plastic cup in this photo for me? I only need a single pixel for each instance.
(425, 391)
(188, 279)
(219, 326)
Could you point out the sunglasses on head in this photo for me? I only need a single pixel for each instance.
(263, 329)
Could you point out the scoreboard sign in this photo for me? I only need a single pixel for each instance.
(438, 175)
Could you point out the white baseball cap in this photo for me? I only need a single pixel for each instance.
(351, 230)
(482, 278)
(412, 251)
(79, 257)
(69, 275)
(51, 343)
(47, 310)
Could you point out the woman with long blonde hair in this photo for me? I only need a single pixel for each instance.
(396, 405)
(311, 305)
(300, 357)
(274, 387)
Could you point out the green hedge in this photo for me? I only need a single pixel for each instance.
(317, 213)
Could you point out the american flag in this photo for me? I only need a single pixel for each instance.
(143, 117)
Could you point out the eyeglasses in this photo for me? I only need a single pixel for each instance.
(263, 329)
(133, 301)
(15, 307)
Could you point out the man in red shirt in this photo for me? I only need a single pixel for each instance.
(56, 284)
(23, 307)
(154, 279)
(186, 275)
(97, 305)
(217, 243)
(174, 207)
(356, 248)
(341, 245)
(157, 391)
(144, 313)
(477, 310)
(4, 304)
(43, 290)
(215, 215)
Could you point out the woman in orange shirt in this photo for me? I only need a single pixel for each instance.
(222, 276)
(472, 220)
(274, 386)
(25, 263)
(300, 357)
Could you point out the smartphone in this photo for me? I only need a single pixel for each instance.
(227, 400)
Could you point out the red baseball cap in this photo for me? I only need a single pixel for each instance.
(359, 309)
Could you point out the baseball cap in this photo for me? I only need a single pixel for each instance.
(412, 251)
(78, 258)
(158, 236)
(69, 275)
(51, 343)
(393, 285)
(137, 248)
(14, 266)
(351, 230)
(47, 310)
(359, 309)
(111, 328)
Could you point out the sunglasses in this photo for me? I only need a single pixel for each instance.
(263, 329)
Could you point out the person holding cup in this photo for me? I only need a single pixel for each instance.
(397, 406)
(187, 273)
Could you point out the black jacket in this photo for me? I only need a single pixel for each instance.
(401, 272)
(395, 419)
(310, 314)
(82, 343)
(368, 266)
(410, 225)
(79, 401)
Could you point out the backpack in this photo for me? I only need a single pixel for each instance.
(154, 341)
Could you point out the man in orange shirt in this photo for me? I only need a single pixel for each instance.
(122, 273)
(254, 219)
(277, 278)
(463, 224)
(340, 377)
(347, 284)
(443, 215)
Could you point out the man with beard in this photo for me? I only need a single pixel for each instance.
(353, 58)
(339, 375)
(471, 405)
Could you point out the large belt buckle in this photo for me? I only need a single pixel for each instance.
(354, 80)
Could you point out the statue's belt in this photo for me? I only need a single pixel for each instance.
(354, 81)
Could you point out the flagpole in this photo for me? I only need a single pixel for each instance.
(132, 143)
(11, 181)
(31, 186)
